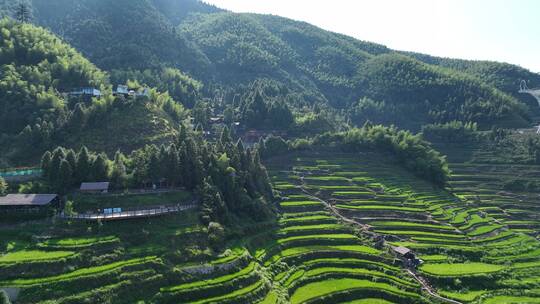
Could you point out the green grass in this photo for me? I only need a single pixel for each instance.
(312, 227)
(77, 273)
(309, 249)
(323, 288)
(247, 270)
(351, 261)
(422, 233)
(511, 300)
(380, 208)
(370, 301)
(299, 203)
(295, 276)
(411, 225)
(232, 295)
(319, 237)
(353, 193)
(235, 253)
(460, 269)
(484, 230)
(434, 258)
(79, 242)
(271, 298)
(371, 273)
(327, 178)
(462, 296)
(23, 256)
(311, 218)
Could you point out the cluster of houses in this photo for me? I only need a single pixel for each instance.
(121, 90)
(39, 203)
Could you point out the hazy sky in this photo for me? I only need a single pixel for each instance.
(501, 30)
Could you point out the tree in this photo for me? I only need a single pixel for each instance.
(23, 12)
(65, 180)
(213, 208)
(201, 113)
(216, 235)
(79, 117)
(68, 208)
(83, 165)
(54, 173)
(228, 115)
(4, 299)
(119, 174)
(46, 164)
(3, 187)
(100, 168)
(71, 158)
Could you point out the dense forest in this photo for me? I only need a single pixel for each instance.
(38, 72)
(229, 179)
(227, 51)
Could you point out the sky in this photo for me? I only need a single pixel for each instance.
(500, 30)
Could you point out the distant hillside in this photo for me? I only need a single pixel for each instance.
(226, 50)
(120, 34)
(37, 68)
(503, 76)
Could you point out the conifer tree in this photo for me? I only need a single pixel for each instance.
(23, 12)
(83, 165)
(119, 173)
(3, 186)
(100, 168)
(46, 164)
(64, 179)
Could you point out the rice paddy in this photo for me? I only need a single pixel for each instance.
(339, 215)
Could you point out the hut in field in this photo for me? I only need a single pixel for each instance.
(407, 256)
(95, 187)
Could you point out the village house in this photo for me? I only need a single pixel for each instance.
(28, 202)
(95, 188)
(124, 90)
(85, 92)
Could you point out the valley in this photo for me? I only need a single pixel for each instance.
(171, 151)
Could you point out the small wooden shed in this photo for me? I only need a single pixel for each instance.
(95, 187)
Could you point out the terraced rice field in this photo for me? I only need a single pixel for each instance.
(339, 217)
(473, 249)
(318, 257)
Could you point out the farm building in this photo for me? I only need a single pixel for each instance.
(403, 252)
(124, 90)
(92, 92)
(407, 256)
(28, 202)
(99, 187)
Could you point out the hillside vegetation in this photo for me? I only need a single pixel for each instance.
(225, 49)
(38, 69)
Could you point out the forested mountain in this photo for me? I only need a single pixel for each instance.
(168, 44)
(226, 50)
(37, 72)
(120, 34)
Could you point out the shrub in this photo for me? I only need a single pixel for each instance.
(412, 152)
